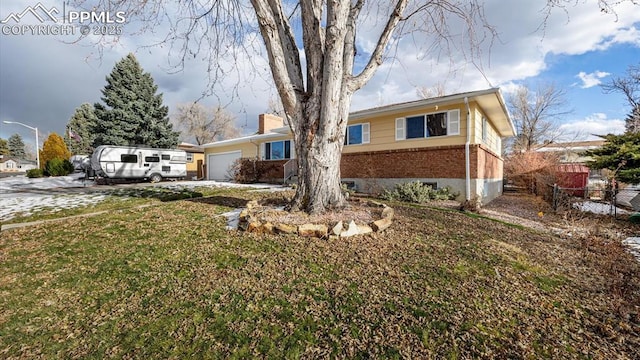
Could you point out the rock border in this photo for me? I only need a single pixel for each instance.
(249, 222)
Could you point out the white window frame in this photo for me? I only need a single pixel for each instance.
(366, 133)
(452, 126)
(263, 150)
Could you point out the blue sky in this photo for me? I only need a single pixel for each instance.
(43, 80)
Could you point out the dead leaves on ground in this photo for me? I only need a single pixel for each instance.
(170, 282)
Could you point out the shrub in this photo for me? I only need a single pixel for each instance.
(35, 173)
(245, 171)
(58, 167)
(53, 148)
(417, 192)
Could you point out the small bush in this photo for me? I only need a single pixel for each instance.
(245, 171)
(35, 173)
(417, 192)
(58, 167)
(472, 205)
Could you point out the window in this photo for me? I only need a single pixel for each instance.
(415, 127)
(277, 150)
(166, 157)
(357, 134)
(151, 159)
(437, 124)
(190, 157)
(129, 158)
(429, 125)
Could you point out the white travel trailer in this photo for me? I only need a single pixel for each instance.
(130, 162)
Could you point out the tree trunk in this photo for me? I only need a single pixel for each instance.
(318, 142)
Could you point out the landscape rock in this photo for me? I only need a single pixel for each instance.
(285, 229)
(381, 224)
(364, 229)
(352, 229)
(268, 228)
(313, 230)
(387, 212)
(254, 226)
(337, 229)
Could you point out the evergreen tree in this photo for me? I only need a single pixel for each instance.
(632, 122)
(621, 155)
(16, 146)
(132, 113)
(4, 147)
(53, 148)
(78, 135)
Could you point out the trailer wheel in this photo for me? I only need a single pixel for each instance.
(154, 178)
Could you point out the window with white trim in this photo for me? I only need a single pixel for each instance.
(189, 157)
(357, 134)
(428, 125)
(277, 150)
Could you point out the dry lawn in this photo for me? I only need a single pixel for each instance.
(169, 282)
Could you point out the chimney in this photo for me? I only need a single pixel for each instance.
(267, 122)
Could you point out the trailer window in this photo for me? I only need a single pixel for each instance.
(151, 159)
(129, 158)
(166, 157)
(166, 168)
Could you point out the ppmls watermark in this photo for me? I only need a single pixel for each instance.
(72, 22)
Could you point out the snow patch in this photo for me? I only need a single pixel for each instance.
(599, 208)
(633, 243)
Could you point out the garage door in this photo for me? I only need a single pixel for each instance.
(219, 165)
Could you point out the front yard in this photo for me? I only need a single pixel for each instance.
(169, 282)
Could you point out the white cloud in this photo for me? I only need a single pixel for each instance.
(587, 128)
(591, 79)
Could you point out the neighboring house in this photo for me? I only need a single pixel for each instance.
(453, 140)
(11, 164)
(195, 160)
(571, 153)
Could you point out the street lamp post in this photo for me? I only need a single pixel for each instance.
(37, 144)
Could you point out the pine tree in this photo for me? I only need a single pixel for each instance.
(16, 146)
(78, 135)
(4, 147)
(632, 122)
(53, 148)
(132, 113)
(620, 154)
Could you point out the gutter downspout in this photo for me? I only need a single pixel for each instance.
(467, 161)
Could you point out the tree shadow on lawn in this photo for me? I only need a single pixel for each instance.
(228, 201)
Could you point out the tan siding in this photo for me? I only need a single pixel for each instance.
(383, 132)
(193, 166)
(493, 141)
(248, 149)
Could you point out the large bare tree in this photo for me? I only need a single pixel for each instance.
(535, 114)
(629, 86)
(312, 47)
(205, 124)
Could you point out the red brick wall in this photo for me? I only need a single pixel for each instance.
(433, 162)
(489, 165)
(271, 170)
